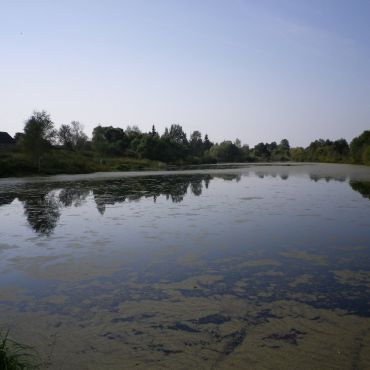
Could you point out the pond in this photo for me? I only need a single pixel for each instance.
(239, 267)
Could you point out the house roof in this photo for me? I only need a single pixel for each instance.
(5, 138)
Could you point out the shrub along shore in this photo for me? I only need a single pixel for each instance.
(44, 150)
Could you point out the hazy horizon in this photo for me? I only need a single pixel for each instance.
(233, 69)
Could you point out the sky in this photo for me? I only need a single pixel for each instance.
(254, 70)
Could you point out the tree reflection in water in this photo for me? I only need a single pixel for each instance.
(361, 187)
(42, 202)
(42, 210)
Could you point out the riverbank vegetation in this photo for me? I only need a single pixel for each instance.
(43, 149)
(15, 356)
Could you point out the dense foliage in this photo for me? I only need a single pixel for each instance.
(338, 151)
(38, 137)
(42, 148)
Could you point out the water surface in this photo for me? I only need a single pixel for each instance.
(242, 267)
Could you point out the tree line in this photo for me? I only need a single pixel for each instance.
(173, 146)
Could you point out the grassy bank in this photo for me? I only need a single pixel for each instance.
(16, 356)
(58, 161)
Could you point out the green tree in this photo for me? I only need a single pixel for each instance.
(174, 145)
(366, 155)
(150, 147)
(245, 151)
(261, 151)
(284, 144)
(133, 136)
(154, 131)
(207, 143)
(358, 146)
(297, 154)
(109, 140)
(39, 135)
(281, 152)
(72, 136)
(326, 151)
(341, 147)
(79, 138)
(196, 144)
(65, 136)
(226, 152)
(177, 135)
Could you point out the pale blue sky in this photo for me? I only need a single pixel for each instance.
(259, 70)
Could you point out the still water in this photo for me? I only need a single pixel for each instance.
(243, 267)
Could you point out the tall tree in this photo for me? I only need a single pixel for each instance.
(177, 135)
(79, 138)
(65, 136)
(72, 136)
(196, 144)
(154, 132)
(39, 135)
(207, 143)
(109, 140)
(284, 145)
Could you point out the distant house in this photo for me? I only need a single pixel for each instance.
(6, 140)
